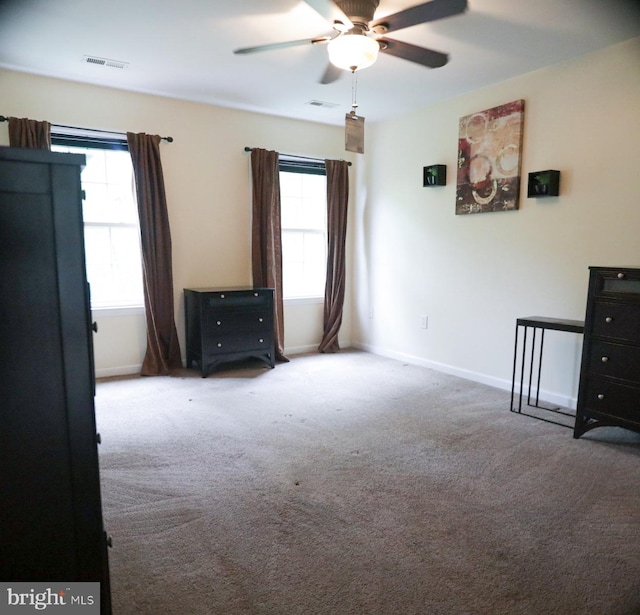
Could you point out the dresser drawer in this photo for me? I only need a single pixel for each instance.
(615, 400)
(623, 283)
(234, 299)
(223, 322)
(615, 361)
(619, 321)
(238, 342)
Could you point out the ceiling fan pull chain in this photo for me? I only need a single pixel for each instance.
(354, 92)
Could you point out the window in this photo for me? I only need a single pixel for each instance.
(111, 227)
(303, 193)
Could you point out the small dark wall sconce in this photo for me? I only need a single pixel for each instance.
(543, 183)
(434, 175)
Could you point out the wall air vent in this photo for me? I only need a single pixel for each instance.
(105, 62)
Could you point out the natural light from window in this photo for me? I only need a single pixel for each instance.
(111, 228)
(304, 234)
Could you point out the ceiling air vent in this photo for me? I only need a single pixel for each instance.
(322, 104)
(105, 62)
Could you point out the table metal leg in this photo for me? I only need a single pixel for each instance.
(524, 353)
(539, 367)
(533, 351)
(523, 365)
(513, 374)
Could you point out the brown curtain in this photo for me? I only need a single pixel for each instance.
(337, 200)
(163, 349)
(29, 133)
(266, 236)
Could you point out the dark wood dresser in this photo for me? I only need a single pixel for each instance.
(228, 324)
(51, 525)
(609, 392)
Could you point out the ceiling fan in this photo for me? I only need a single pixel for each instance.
(358, 36)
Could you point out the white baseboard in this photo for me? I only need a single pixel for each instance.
(128, 370)
(300, 349)
(499, 383)
(121, 370)
(312, 347)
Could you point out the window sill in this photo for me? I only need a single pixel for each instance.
(108, 312)
(303, 300)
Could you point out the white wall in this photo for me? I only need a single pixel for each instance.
(474, 275)
(208, 190)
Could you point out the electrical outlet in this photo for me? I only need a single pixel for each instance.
(424, 322)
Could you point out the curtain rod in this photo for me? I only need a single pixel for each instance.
(248, 149)
(4, 118)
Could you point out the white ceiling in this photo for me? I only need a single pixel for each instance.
(184, 49)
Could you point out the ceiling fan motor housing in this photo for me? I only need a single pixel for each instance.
(359, 36)
(360, 12)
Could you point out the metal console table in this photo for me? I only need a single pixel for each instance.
(543, 323)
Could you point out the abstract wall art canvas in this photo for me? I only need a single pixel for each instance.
(489, 154)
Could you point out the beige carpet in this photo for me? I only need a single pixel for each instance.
(354, 484)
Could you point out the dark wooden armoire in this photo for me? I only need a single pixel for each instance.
(609, 393)
(51, 526)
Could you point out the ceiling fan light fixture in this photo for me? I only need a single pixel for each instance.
(353, 51)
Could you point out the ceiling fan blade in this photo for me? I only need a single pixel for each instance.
(305, 41)
(331, 12)
(429, 11)
(333, 73)
(419, 55)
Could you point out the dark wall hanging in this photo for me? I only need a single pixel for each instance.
(434, 175)
(543, 183)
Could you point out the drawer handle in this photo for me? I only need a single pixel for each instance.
(219, 345)
(256, 295)
(221, 296)
(604, 359)
(260, 319)
(608, 319)
(218, 322)
(621, 276)
(261, 340)
(601, 396)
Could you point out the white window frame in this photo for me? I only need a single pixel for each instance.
(306, 166)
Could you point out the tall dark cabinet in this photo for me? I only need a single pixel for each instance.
(51, 526)
(609, 393)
